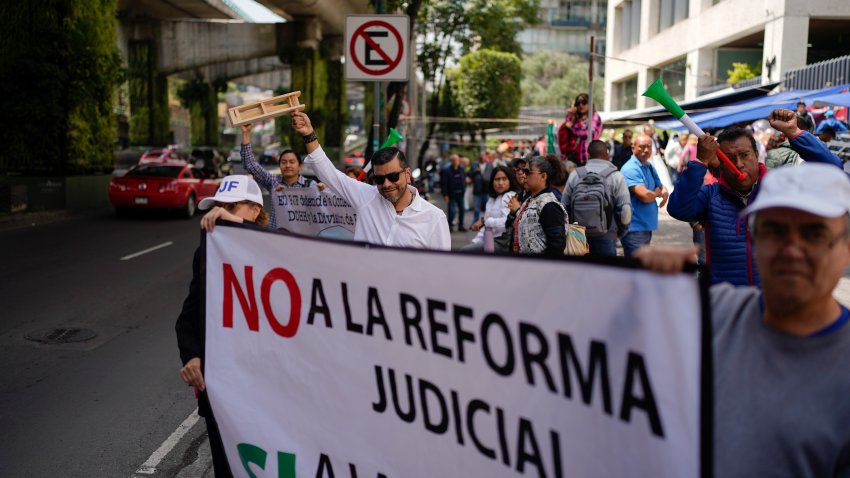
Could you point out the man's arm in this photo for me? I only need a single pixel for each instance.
(553, 221)
(263, 177)
(442, 236)
(354, 191)
(804, 143)
(622, 204)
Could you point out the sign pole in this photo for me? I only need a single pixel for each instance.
(376, 125)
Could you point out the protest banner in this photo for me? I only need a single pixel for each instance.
(310, 212)
(328, 358)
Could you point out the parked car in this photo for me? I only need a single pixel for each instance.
(270, 156)
(235, 156)
(173, 184)
(208, 159)
(158, 156)
(355, 159)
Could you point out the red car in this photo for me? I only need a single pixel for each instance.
(158, 156)
(163, 185)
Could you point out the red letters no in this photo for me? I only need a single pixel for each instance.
(249, 304)
(290, 328)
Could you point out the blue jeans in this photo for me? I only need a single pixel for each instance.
(479, 202)
(699, 240)
(634, 240)
(456, 203)
(602, 247)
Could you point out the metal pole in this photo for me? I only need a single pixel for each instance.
(376, 125)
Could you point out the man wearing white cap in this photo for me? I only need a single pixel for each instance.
(238, 199)
(782, 354)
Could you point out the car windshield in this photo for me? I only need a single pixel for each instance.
(156, 152)
(155, 171)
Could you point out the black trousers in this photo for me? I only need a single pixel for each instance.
(219, 457)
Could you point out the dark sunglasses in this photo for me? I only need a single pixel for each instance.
(378, 179)
(525, 171)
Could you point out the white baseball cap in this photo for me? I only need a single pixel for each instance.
(819, 189)
(234, 189)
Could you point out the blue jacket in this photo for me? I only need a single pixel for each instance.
(727, 237)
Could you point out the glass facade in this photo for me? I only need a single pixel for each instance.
(566, 25)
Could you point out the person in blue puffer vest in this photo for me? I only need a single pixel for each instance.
(718, 206)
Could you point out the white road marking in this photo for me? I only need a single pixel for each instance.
(149, 466)
(150, 249)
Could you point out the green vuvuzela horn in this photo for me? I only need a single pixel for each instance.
(657, 92)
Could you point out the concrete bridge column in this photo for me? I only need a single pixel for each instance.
(317, 73)
(201, 98)
(149, 112)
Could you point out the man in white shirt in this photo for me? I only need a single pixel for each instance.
(390, 212)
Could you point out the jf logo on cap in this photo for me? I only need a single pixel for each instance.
(819, 189)
(232, 189)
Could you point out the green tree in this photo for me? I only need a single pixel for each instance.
(448, 29)
(551, 78)
(59, 69)
(486, 84)
(495, 24)
(742, 71)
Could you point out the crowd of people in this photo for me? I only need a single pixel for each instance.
(776, 241)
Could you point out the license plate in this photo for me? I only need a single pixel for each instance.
(141, 200)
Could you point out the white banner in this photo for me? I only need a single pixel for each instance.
(310, 212)
(330, 359)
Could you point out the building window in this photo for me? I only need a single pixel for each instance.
(671, 12)
(625, 94)
(628, 20)
(673, 78)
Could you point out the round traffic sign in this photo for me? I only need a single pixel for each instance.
(391, 62)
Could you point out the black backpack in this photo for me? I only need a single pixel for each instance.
(589, 205)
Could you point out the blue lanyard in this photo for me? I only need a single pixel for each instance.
(842, 319)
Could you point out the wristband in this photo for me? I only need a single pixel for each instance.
(309, 138)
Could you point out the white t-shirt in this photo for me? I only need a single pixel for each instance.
(421, 225)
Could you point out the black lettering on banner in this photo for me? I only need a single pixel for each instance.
(456, 412)
(350, 325)
(437, 327)
(526, 434)
(529, 357)
(503, 436)
(442, 426)
(412, 321)
(410, 414)
(489, 321)
(319, 305)
(636, 367)
(326, 469)
(474, 406)
(463, 335)
(381, 405)
(376, 314)
(597, 364)
(281, 200)
(556, 453)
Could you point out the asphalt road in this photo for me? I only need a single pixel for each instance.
(100, 407)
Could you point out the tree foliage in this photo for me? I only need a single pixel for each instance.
(487, 85)
(59, 68)
(551, 78)
(742, 71)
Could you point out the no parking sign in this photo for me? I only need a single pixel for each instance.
(376, 47)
